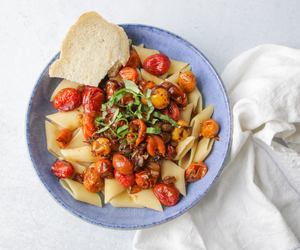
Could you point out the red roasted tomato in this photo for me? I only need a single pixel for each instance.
(67, 99)
(122, 164)
(126, 180)
(167, 195)
(89, 126)
(93, 100)
(62, 169)
(172, 111)
(157, 64)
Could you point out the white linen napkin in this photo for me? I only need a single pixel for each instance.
(255, 203)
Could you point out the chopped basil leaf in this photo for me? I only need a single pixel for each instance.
(132, 86)
(155, 131)
(165, 117)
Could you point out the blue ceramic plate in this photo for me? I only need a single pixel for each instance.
(212, 90)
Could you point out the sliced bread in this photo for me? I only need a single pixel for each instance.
(91, 49)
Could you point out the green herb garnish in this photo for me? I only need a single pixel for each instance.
(155, 131)
(120, 133)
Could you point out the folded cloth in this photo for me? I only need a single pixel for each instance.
(255, 203)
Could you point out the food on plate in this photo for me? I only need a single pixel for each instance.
(92, 48)
(137, 137)
(210, 129)
(157, 64)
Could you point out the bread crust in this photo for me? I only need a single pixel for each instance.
(92, 48)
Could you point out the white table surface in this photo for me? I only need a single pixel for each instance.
(30, 35)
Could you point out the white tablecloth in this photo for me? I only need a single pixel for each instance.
(255, 203)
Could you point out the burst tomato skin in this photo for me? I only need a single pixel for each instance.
(122, 164)
(156, 145)
(89, 126)
(93, 100)
(92, 180)
(157, 64)
(166, 194)
(82, 89)
(67, 99)
(134, 60)
(63, 138)
(129, 74)
(62, 169)
(126, 180)
(210, 128)
(172, 111)
(195, 172)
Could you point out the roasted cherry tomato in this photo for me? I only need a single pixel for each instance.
(101, 147)
(92, 180)
(156, 145)
(129, 74)
(160, 97)
(187, 81)
(144, 180)
(137, 127)
(67, 99)
(210, 129)
(63, 138)
(82, 89)
(78, 177)
(177, 95)
(104, 168)
(167, 195)
(111, 87)
(157, 64)
(172, 111)
(195, 172)
(62, 169)
(89, 126)
(126, 180)
(122, 164)
(182, 132)
(134, 60)
(93, 100)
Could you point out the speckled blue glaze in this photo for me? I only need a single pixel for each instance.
(212, 90)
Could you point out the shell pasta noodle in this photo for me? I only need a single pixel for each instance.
(146, 198)
(184, 146)
(82, 154)
(70, 120)
(148, 77)
(124, 199)
(169, 168)
(186, 113)
(195, 97)
(79, 192)
(132, 137)
(51, 133)
(185, 161)
(112, 189)
(78, 140)
(204, 147)
(176, 66)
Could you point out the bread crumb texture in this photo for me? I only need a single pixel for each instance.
(91, 49)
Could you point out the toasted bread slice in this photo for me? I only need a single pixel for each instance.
(91, 49)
